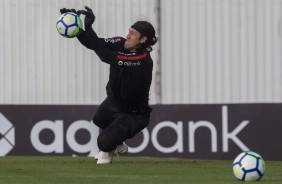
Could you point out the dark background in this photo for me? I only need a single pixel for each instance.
(263, 134)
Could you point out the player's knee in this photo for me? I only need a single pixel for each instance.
(98, 121)
(104, 144)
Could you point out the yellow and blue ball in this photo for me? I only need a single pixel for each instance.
(69, 25)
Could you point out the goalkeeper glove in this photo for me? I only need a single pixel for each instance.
(65, 10)
(89, 16)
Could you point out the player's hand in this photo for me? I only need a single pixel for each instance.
(89, 16)
(65, 10)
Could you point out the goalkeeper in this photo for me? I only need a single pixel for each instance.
(125, 111)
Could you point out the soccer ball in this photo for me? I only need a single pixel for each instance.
(248, 166)
(69, 25)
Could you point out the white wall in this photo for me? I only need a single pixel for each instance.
(221, 51)
(211, 51)
(38, 66)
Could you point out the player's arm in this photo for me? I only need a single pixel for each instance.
(84, 40)
(97, 45)
(100, 48)
(114, 44)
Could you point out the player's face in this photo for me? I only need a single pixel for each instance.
(133, 39)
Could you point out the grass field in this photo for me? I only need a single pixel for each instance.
(80, 170)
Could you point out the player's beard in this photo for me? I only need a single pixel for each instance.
(130, 47)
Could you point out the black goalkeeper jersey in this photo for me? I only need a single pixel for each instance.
(130, 72)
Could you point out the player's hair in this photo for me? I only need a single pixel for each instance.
(146, 29)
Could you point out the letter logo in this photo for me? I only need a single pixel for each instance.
(7, 135)
(120, 63)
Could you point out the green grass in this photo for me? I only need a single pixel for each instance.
(80, 170)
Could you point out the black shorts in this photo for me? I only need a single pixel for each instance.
(109, 116)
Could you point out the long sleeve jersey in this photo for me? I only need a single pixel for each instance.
(130, 72)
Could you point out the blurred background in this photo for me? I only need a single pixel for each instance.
(209, 51)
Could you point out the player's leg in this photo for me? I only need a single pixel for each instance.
(116, 133)
(106, 113)
(124, 127)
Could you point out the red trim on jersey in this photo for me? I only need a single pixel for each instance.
(132, 57)
(118, 37)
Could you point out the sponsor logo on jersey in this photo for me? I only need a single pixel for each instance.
(129, 63)
(112, 40)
